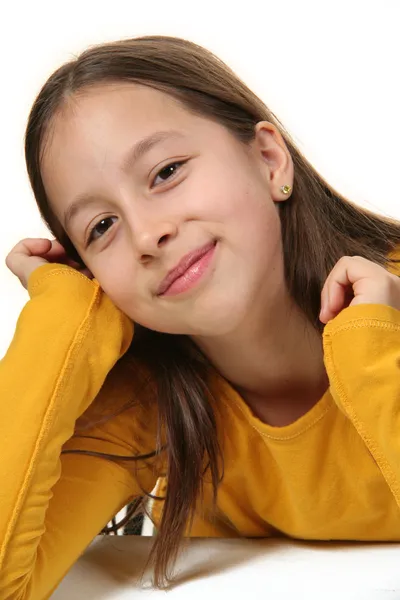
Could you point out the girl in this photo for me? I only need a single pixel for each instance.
(211, 317)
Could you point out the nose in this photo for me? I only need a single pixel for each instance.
(153, 237)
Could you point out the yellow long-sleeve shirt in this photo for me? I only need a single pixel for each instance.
(333, 474)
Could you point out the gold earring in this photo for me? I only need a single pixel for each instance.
(286, 189)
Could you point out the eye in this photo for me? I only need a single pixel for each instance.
(166, 171)
(91, 238)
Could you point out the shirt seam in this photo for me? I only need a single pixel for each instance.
(288, 437)
(370, 442)
(362, 322)
(61, 272)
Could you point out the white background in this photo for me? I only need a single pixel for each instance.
(329, 71)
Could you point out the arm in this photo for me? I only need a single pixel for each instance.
(68, 338)
(362, 358)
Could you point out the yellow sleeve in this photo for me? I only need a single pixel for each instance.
(362, 358)
(65, 354)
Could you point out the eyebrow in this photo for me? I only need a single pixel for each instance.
(135, 153)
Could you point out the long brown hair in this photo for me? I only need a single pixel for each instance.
(318, 225)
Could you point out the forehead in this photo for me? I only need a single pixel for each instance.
(113, 109)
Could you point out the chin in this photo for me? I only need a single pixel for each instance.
(220, 319)
(213, 314)
(208, 324)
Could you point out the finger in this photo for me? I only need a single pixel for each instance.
(32, 246)
(58, 253)
(337, 288)
(56, 248)
(340, 286)
(339, 297)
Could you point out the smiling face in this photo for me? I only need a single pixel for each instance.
(193, 186)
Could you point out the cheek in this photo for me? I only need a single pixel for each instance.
(153, 317)
(125, 294)
(251, 213)
(136, 309)
(120, 287)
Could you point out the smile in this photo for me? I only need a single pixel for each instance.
(189, 271)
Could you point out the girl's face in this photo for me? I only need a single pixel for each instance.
(194, 186)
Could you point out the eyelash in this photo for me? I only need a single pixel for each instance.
(180, 163)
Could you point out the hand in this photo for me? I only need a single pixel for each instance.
(30, 253)
(356, 280)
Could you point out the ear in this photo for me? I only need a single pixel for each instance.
(275, 158)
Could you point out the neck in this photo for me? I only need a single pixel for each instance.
(274, 360)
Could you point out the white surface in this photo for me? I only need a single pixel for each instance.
(111, 569)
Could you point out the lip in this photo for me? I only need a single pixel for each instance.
(184, 264)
